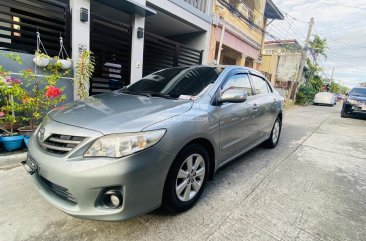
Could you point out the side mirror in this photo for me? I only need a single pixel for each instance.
(233, 95)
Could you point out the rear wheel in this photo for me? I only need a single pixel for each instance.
(186, 179)
(273, 139)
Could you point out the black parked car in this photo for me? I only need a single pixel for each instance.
(354, 103)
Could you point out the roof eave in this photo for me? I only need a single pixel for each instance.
(272, 12)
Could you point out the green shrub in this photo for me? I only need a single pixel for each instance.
(306, 94)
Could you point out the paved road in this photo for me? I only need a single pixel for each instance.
(311, 187)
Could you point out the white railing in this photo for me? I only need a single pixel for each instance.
(202, 5)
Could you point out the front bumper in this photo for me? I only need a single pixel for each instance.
(354, 109)
(140, 177)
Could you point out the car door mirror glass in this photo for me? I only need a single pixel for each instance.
(233, 95)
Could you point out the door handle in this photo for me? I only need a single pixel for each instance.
(255, 107)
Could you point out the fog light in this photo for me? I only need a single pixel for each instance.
(115, 200)
(112, 199)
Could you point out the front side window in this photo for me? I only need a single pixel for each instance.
(174, 82)
(239, 81)
(260, 85)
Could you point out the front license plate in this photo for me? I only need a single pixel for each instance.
(30, 165)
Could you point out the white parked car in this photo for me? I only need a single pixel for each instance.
(325, 98)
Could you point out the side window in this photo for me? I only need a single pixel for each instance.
(260, 85)
(241, 81)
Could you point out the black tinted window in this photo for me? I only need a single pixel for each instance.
(177, 81)
(239, 81)
(358, 92)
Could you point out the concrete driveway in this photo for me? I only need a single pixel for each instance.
(311, 187)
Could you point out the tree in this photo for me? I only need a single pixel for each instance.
(313, 85)
(335, 88)
(318, 47)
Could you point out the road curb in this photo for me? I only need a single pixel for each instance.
(11, 161)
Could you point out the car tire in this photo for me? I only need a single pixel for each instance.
(184, 174)
(273, 139)
(344, 114)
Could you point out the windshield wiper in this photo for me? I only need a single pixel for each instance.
(135, 93)
(157, 94)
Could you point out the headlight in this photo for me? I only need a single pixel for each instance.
(119, 145)
(352, 102)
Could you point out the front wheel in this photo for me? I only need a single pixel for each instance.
(344, 113)
(186, 179)
(273, 139)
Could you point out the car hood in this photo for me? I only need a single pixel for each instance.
(358, 98)
(116, 112)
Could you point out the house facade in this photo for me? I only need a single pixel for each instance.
(281, 62)
(129, 38)
(238, 31)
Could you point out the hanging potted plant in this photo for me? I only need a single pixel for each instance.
(41, 59)
(64, 63)
(61, 61)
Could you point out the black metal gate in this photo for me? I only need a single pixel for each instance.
(162, 53)
(21, 19)
(110, 42)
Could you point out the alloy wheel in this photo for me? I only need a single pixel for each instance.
(190, 177)
(276, 132)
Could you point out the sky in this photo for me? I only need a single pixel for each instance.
(342, 23)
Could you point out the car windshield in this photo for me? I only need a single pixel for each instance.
(358, 92)
(176, 82)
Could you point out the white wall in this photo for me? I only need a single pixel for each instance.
(288, 66)
(137, 46)
(80, 31)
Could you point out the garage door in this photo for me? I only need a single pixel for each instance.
(162, 53)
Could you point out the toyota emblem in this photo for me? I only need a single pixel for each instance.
(41, 133)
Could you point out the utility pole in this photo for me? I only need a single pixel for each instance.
(331, 77)
(303, 58)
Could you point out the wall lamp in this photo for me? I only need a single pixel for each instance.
(84, 15)
(140, 32)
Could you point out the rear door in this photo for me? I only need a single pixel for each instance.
(266, 102)
(238, 121)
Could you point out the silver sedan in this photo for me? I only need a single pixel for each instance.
(153, 143)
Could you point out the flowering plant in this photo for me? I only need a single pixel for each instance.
(29, 97)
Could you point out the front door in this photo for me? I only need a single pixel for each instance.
(238, 121)
(110, 42)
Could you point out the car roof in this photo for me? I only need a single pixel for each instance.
(325, 93)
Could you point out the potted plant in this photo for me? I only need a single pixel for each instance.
(43, 95)
(32, 97)
(83, 73)
(41, 59)
(10, 90)
(64, 63)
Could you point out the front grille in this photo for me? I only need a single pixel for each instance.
(61, 144)
(59, 191)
